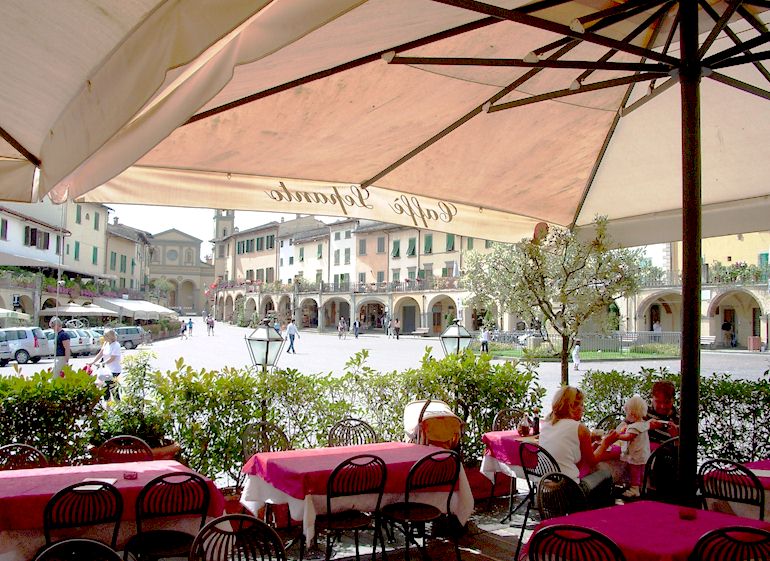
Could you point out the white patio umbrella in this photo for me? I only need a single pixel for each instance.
(475, 118)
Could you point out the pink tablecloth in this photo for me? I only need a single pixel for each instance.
(652, 531)
(503, 445)
(764, 474)
(305, 472)
(24, 493)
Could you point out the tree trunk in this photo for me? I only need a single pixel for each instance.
(565, 360)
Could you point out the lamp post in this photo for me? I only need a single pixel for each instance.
(455, 338)
(264, 345)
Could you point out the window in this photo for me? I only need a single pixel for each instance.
(336, 280)
(347, 234)
(319, 275)
(250, 246)
(270, 274)
(78, 213)
(58, 245)
(336, 256)
(270, 241)
(249, 274)
(396, 275)
(281, 262)
(291, 260)
(260, 242)
(122, 282)
(411, 272)
(30, 236)
(260, 275)
(3, 229)
(762, 261)
(281, 243)
(428, 244)
(347, 256)
(133, 266)
(411, 250)
(301, 254)
(396, 249)
(469, 243)
(487, 244)
(224, 232)
(362, 246)
(450, 242)
(381, 244)
(362, 278)
(221, 251)
(77, 251)
(96, 221)
(380, 276)
(320, 251)
(336, 236)
(122, 263)
(95, 256)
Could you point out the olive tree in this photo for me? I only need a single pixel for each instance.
(556, 276)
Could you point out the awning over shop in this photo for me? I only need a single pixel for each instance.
(12, 314)
(137, 309)
(73, 310)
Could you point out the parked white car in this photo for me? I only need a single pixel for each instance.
(27, 344)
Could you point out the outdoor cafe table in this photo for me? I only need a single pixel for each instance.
(25, 492)
(299, 477)
(651, 531)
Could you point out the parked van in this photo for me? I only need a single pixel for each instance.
(130, 337)
(27, 344)
(5, 350)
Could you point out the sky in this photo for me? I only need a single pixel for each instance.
(197, 222)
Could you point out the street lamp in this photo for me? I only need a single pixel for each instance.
(455, 338)
(264, 345)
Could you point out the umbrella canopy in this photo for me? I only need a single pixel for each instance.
(12, 314)
(73, 310)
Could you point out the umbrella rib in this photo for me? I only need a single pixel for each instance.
(582, 89)
(669, 39)
(468, 116)
(547, 25)
(735, 39)
(748, 88)
(759, 3)
(459, 30)
(752, 19)
(744, 59)
(634, 6)
(720, 23)
(34, 160)
(650, 96)
(757, 41)
(517, 62)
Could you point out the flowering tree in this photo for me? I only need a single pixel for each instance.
(555, 276)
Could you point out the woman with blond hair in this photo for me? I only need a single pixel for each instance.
(110, 355)
(568, 440)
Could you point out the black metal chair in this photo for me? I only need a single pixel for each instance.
(610, 422)
(507, 419)
(84, 504)
(21, 456)
(436, 471)
(559, 495)
(360, 475)
(535, 463)
(660, 481)
(263, 436)
(124, 448)
(564, 542)
(725, 480)
(350, 431)
(78, 549)
(237, 537)
(168, 495)
(733, 543)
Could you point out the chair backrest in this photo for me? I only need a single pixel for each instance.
(360, 475)
(350, 431)
(237, 536)
(83, 504)
(124, 448)
(728, 481)
(660, 481)
(736, 543)
(559, 495)
(21, 456)
(438, 470)
(78, 549)
(173, 494)
(263, 437)
(610, 422)
(564, 542)
(507, 419)
(535, 463)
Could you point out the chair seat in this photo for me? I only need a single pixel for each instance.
(413, 512)
(159, 544)
(346, 520)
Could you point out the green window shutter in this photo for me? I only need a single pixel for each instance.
(122, 263)
(763, 259)
(421, 274)
(320, 251)
(95, 256)
(487, 243)
(396, 248)
(78, 213)
(113, 260)
(77, 251)
(450, 242)
(470, 243)
(412, 249)
(96, 220)
(133, 266)
(428, 243)
(301, 254)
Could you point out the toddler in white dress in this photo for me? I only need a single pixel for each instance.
(634, 438)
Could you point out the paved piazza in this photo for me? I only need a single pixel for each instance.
(324, 352)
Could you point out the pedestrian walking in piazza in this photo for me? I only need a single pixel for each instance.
(576, 354)
(183, 330)
(211, 325)
(292, 332)
(397, 327)
(484, 339)
(277, 326)
(342, 329)
(356, 327)
(189, 327)
(387, 325)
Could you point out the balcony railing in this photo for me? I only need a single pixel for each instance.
(407, 285)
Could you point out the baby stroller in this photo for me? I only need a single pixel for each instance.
(432, 422)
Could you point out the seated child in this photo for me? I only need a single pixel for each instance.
(634, 438)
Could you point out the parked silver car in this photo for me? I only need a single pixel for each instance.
(27, 344)
(78, 344)
(130, 337)
(5, 350)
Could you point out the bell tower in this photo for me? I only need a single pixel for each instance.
(224, 226)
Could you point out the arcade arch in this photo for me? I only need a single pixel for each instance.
(408, 311)
(250, 308)
(228, 311)
(370, 312)
(334, 308)
(284, 309)
(186, 295)
(267, 306)
(664, 306)
(308, 313)
(440, 312)
(740, 312)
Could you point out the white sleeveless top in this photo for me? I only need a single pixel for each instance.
(562, 442)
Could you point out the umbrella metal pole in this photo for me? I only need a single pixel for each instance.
(691, 249)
